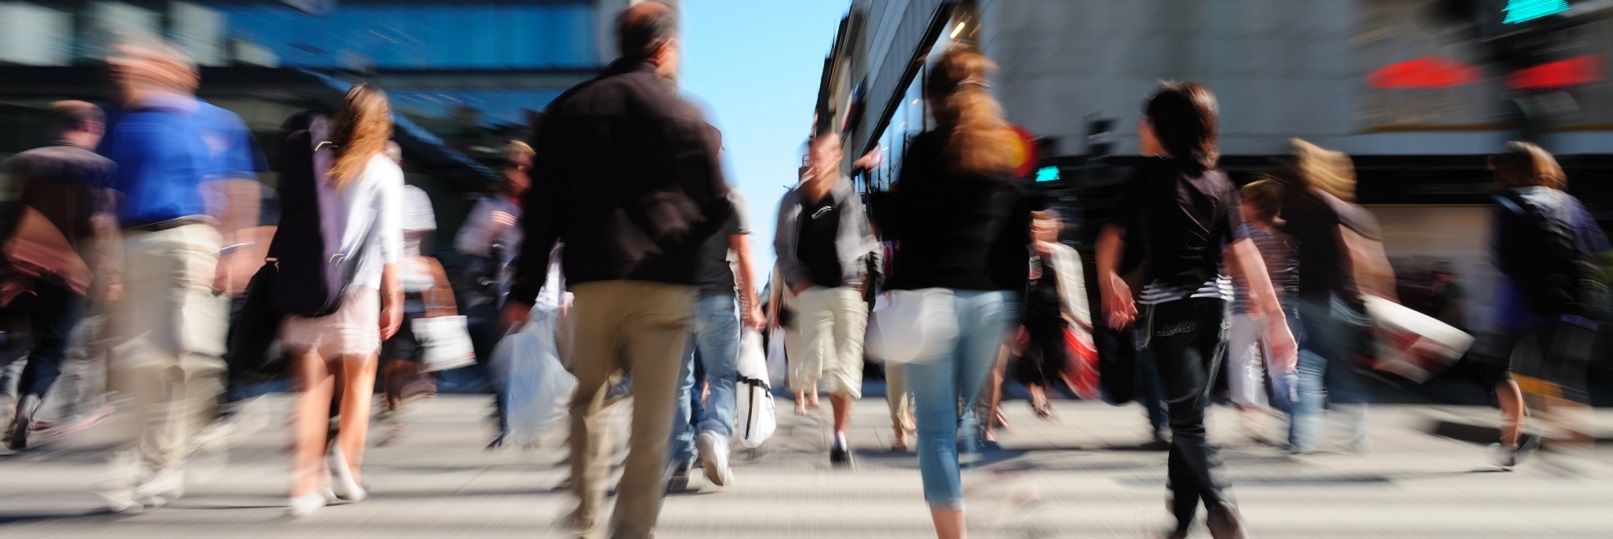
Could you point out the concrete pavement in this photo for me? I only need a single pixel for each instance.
(1084, 476)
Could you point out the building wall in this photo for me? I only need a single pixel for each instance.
(1280, 68)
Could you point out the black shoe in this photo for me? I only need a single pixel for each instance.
(678, 480)
(1527, 444)
(840, 457)
(23, 422)
(1225, 522)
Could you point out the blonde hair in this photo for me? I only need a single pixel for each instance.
(1324, 169)
(978, 138)
(1522, 164)
(363, 128)
(517, 149)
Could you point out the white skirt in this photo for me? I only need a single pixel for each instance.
(353, 330)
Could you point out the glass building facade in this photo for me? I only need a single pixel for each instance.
(468, 72)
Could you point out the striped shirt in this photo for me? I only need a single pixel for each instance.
(1155, 293)
(1282, 267)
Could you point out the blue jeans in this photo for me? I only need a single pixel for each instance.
(1333, 333)
(54, 313)
(716, 339)
(983, 320)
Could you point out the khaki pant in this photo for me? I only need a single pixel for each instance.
(898, 396)
(616, 328)
(833, 324)
(167, 342)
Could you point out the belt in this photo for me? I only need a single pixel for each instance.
(170, 223)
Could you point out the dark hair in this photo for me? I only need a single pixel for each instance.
(644, 28)
(978, 139)
(1264, 196)
(1522, 164)
(69, 116)
(1184, 116)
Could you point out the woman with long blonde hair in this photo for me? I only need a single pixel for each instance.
(961, 226)
(336, 354)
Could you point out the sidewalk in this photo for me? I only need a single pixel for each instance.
(1082, 477)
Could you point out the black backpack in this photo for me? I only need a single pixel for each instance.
(1556, 276)
(312, 271)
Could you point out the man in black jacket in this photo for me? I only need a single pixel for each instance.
(627, 177)
(57, 248)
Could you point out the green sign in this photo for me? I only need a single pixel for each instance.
(1527, 10)
(1047, 174)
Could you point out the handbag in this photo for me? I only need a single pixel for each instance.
(444, 342)
(255, 329)
(1081, 365)
(912, 326)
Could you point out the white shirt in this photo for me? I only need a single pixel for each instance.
(373, 205)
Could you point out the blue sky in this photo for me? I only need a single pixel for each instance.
(755, 67)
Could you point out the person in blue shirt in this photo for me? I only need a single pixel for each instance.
(174, 155)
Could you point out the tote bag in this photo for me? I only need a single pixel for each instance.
(912, 326)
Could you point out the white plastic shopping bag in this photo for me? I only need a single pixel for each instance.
(536, 388)
(1411, 344)
(445, 342)
(754, 421)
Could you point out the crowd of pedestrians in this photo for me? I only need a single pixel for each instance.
(617, 220)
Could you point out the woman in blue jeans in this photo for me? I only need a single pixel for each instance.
(961, 225)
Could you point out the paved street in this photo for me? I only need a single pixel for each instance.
(1085, 476)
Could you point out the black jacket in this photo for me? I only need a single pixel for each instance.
(957, 231)
(627, 177)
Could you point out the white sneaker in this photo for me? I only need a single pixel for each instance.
(302, 506)
(714, 458)
(163, 488)
(120, 501)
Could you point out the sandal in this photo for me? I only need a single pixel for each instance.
(1044, 411)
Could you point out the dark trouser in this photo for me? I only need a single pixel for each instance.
(1046, 354)
(55, 312)
(1188, 338)
(1150, 392)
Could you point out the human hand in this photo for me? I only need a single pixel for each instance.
(391, 318)
(515, 315)
(753, 318)
(1118, 306)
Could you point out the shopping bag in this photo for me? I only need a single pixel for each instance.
(444, 341)
(534, 387)
(1410, 344)
(1081, 366)
(754, 421)
(912, 326)
(778, 362)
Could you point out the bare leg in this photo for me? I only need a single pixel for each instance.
(358, 390)
(949, 522)
(800, 402)
(994, 396)
(311, 423)
(1512, 411)
(842, 413)
(812, 397)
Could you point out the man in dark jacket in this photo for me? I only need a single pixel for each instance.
(627, 177)
(57, 244)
